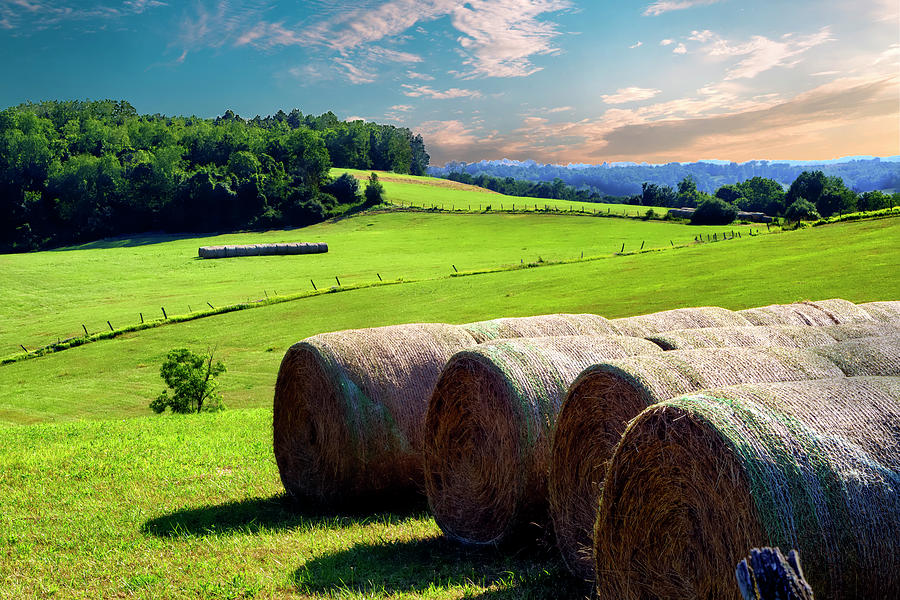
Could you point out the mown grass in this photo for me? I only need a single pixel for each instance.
(47, 296)
(192, 507)
(118, 378)
(429, 192)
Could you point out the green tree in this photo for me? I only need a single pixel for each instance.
(714, 211)
(801, 210)
(874, 200)
(192, 378)
(374, 190)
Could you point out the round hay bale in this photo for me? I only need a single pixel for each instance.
(231, 251)
(321, 248)
(888, 310)
(488, 431)
(787, 336)
(865, 356)
(821, 312)
(219, 252)
(697, 480)
(349, 411)
(540, 326)
(852, 331)
(679, 318)
(292, 248)
(206, 252)
(606, 396)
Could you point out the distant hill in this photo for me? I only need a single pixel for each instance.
(860, 173)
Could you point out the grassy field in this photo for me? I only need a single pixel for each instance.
(101, 499)
(49, 295)
(428, 192)
(169, 507)
(118, 377)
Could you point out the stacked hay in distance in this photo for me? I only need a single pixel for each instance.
(606, 396)
(865, 356)
(697, 480)
(261, 250)
(488, 431)
(822, 312)
(679, 318)
(787, 336)
(349, 411)
(540, 326)
(852, 331)
(888, 310)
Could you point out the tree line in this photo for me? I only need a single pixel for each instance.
(73, 171)
(625, 179)
(812, 194)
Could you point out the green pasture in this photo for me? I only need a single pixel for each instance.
(168, 507)
(118, 377)
(429, 192)
(49, 295)
(102, 499)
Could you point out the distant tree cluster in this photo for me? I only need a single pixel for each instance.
(76, 171)
(556, 189)
(625, 179)
(810, 196)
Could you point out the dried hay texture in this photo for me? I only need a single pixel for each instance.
(787, 336)
(865, 356)
(888, 310)
(540, 326)
(852, 331)
(488, 431)
(606, 396)
(349, 411)
(698, 480)
(821, 312)
(679, 318)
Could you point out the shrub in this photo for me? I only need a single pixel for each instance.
(345, 189)
(802, 210)
(714, 212)
(374, 191)
(192, 378)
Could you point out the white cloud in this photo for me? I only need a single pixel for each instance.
(402, 107)
(418, 91)
(638, 44)
(560, 109)
(630, 94)
(666, 42)
(664, 6)
(497, 37)
(679, 49)
(354, 73)
(419, 76)
(701, 36)
(29, 15)
(761, 53)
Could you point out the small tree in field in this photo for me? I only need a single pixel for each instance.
(374, 190)
(192, 378)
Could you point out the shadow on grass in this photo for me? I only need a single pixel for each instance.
(421, 565)
(263, 514)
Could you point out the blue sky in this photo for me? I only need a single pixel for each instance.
(564, 81)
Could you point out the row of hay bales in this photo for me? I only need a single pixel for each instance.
(262, 249)
(515, 422)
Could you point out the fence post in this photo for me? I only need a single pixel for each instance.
(110, 326)
(313, 284)
(86, 334)
(165, 316)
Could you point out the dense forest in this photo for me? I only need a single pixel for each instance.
(74, 171)
(628, 179)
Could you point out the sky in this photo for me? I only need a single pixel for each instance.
(559, 81)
